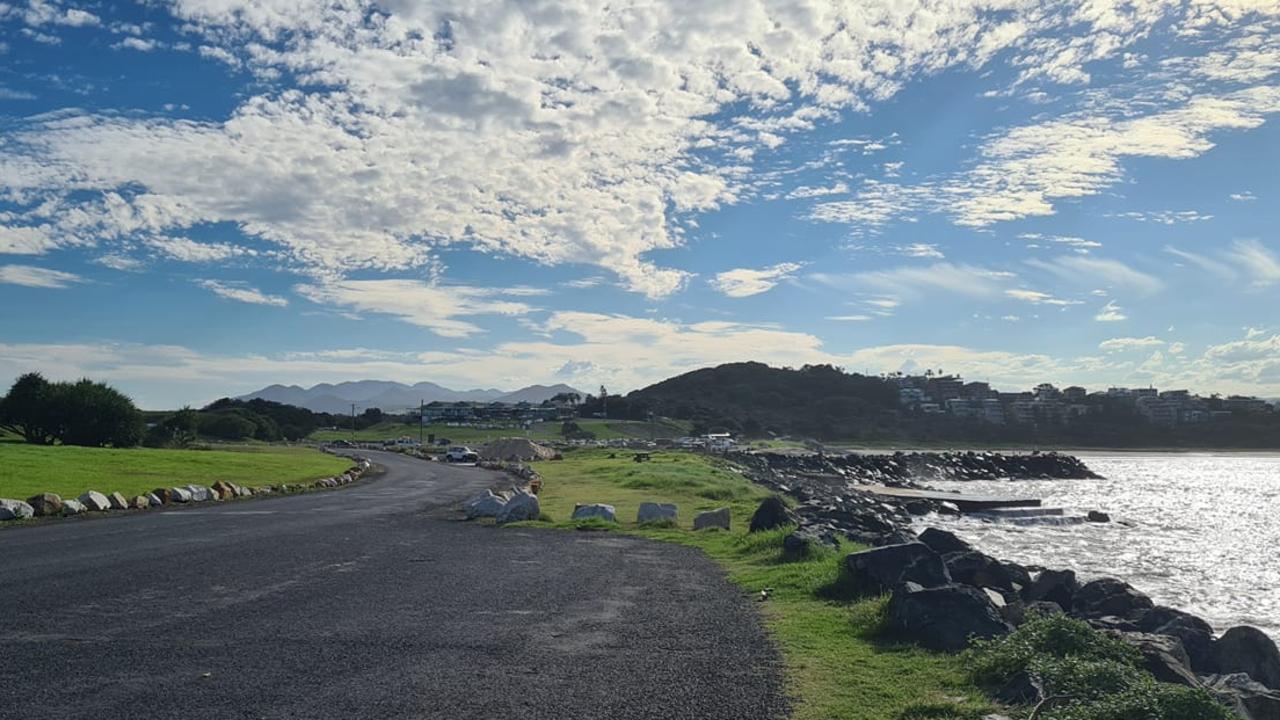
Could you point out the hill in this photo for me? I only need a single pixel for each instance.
(816, 400)
(392, 396)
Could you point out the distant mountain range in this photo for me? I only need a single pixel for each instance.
(394, 396)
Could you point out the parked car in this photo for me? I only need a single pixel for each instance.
(461, 454)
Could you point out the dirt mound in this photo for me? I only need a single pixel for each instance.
(515, 449)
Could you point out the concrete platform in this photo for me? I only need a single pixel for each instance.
(966, 503)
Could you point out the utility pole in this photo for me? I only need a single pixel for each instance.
(353, 422)
(422, 404)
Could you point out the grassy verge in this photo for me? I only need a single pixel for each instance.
(840, 662)
(545, 431)
(69, 471)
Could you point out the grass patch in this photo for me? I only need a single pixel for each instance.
(840, 663)
(69, 471)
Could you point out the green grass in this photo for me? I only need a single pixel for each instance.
(26, 470)
(545, 431)
(840, 662)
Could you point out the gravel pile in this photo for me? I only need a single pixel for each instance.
(517, 449)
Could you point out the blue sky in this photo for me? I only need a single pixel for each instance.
(200, 197)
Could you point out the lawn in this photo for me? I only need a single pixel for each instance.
(545, 431)
(840, 662)
(69, 471)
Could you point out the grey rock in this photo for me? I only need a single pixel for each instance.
(1247, 697)
(45, 504)
(651, 512)
(95, 501)
(485, 504)
(118, 501)
(943, 542)
(15, 510)
(945, 617)
(179, 495)
(72, 507)
(1197, 638)
(523, 506)
(979, 570)
(139, 502)
(154, 500)
(1097, 516)
(597, 511)
(1055, 586)
(1245, 649)
(772, 513)
(1164, 657)
(1109, 596)
(718, 518)
(878, 570)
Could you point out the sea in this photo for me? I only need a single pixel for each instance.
(1196, 531)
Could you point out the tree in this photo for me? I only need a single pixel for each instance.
(177, 430)
(26, 409)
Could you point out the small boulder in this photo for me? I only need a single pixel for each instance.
(878, 570)
(945, 617)
(1164, 657)
(164, 495)
(772, 513)
(179, 495)
(95, 501)
(154, 500)
(1056, 586)
(1248, 650)
(594, 511)
(72, 507)
(1245, 696)
(661, 513)
(200, 493)
(524, 506)
(45, 504)
(1097, 516)
(118, 501)
(1041, 608)
(15, 510)
(139, 502)
(224, 490)
(1109, 596)
(979, 570)
(486, 504)
(944, 542)
(718, 518)
(1197, 638)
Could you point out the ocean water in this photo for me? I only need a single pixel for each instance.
(1198, 532)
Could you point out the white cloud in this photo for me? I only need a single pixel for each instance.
(1165, 217)
(36, 277)
(1039, 298)
(1111, 312)
(1246, 196)
(1257, 261)
(242, 293)
(1126, 344)
(136, 43)
(849, 318)
(26, 240)
(745, 282)
(923, 250)
(1089, 270)
(121, 262)
(188, 250)
(434, 307)
(915, 280)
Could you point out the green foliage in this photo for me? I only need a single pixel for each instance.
(1092, 676)
(178, 430)
(80, 413)
(227, 425)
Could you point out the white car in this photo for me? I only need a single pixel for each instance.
(461, 454)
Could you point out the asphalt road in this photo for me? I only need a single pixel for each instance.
(369, 602)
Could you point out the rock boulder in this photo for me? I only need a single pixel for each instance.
(139, 502)
(718, 518)
(661, 513)
(1164, 657)
(1055, 586)
(943, 542)
(486, 504)
(945, 617)
(118, 501)
(1248, 698)
(1245, 649)
(1109, 596)
(772, 513)
(524, 506)
(72, 507)
(45, 504)
(15, 510)
(95, 501)
(595, 511)
(879, 570)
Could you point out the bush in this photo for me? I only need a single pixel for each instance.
(1093, 676)
(81, 413)
(226, 426)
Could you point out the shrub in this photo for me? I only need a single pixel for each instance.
(80, 413)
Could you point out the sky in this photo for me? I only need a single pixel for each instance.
(202, 197)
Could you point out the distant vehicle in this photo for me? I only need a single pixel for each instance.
(461, 454)
(342, 443)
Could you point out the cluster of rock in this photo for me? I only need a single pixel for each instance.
(531, 479)
(52, 505)
(906, 469)
(943, 593)
(515, 450)
(514, 505)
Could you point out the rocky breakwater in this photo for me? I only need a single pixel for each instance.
(944, 592)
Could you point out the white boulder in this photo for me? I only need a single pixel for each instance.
(15, 510)
(485, 504)
(95, 501)
(524, 506)
(181, 495)
(72, 507)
